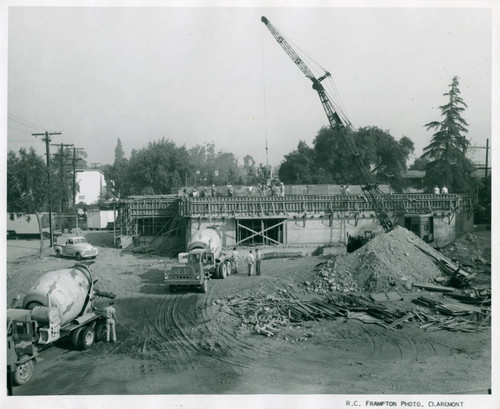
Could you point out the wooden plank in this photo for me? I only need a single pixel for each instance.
(401, 320)
(434, 287)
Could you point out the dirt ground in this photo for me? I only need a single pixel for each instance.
(191, 343)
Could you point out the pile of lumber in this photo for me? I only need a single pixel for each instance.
(435, 323)
(476, 297)
(458, 277)
(443, 308)
(267, 314)
(360, 303)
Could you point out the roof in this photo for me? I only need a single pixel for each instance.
(413, 174)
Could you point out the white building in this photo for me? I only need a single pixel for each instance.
(91, 185)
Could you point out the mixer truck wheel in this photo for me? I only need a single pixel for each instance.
(86, 338)
(58, 253)
(223, 270)
(229, 267)
(78, 256)
(23, 373)
(100, 332)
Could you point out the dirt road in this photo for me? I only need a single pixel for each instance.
(187, 343)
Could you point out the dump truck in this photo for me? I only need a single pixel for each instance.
(60, 305)
(204, 260)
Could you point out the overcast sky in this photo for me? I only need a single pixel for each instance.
(196, 75)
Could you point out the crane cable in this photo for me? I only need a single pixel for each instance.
(330, 88)
(264, 91)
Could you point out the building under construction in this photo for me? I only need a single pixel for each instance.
(166, 222)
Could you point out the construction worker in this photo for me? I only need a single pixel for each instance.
(258, 260)
(444, 190)
(234, 260)
(250, 262)
(110, 315)
(436, 190)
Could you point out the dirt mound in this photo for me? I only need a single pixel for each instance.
(387, 261)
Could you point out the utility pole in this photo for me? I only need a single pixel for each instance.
(486, 168)
(46, 139)
(61, 173)
(487, 147)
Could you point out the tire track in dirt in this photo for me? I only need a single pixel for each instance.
(407, 343)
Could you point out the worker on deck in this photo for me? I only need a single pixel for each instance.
(444, 190)
(436, 190)
(110, 315)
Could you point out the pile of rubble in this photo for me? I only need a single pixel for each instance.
(389, 260)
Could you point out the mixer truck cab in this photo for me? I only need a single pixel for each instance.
(203, 261)
(60, 304)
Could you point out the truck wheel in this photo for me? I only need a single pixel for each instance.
(46, 235)
(204, 287)
(78, 256)
(23, 373)
(100, 332)
(229, 267)
(58, 253)
(223, 270)
(86, 338)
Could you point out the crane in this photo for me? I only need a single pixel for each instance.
(338, 120)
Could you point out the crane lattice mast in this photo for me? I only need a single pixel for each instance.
(371, 190)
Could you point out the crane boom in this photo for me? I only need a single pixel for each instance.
(371, 190)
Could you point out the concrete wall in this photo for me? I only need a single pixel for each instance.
(444, 229)
(317, 230)
(464, 223)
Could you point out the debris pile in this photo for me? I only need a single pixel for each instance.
(389, 260)
(265, 315)
(451, 322)
(328, 281)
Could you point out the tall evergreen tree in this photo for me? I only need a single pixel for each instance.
(448, 164)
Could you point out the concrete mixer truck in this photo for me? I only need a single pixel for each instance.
(204, 260)
(60, 304)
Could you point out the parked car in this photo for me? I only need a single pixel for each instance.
(77, 247)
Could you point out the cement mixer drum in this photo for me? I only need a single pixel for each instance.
(68, 290)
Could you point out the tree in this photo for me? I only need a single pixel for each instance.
(27, 186)
(419, 164)
(62, 186)
(380, 153)
(119, 152)
(300, 167)
(156, 169)
(115, 174)
(448, 164)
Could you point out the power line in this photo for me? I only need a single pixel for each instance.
(25, 123)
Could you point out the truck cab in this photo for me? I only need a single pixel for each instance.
(21, 349)
(196, 271)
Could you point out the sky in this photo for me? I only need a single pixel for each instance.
(216, 75)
